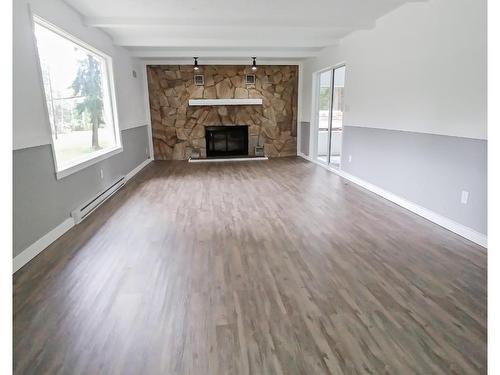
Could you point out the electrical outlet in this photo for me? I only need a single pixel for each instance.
(350, 158)
(465, 197)
(102, 174)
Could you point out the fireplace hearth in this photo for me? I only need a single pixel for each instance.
(226, 140)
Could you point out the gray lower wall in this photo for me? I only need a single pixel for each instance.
(429, 170)
(304, 137)
(41, 202)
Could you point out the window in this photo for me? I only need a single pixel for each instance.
(78, 90)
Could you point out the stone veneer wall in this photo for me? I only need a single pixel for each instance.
(178, 129)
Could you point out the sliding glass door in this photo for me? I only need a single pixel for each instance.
(324, 97)
(329, 116)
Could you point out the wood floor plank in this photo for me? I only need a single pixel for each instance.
(276, 267)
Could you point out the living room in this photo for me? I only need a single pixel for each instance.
(250, 188)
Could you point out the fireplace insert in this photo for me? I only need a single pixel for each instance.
(227, 140)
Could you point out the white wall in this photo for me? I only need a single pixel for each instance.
(130, 91)
(31, 126)
(421, 69)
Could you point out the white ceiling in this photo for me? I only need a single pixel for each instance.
(272, 29)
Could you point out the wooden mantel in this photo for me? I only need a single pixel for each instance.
(204, 102)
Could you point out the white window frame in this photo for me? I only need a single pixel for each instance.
(97, 156)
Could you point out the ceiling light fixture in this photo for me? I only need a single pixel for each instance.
(254, 64)
(196, 67)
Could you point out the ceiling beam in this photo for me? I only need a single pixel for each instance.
(221, 61)
(327, 23)
(166, 42)
(224, 53)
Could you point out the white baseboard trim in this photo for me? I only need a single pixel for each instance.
(137, 169)
(41, 244)
(453, 226)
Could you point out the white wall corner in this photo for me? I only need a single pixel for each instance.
(137, 169)
(145, 87)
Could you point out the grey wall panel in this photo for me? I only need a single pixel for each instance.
(429, 170)
(304, 137)
(41, 202)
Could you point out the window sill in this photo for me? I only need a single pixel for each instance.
(84, 163)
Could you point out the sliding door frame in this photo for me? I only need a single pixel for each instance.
(338, 66)
(316, 96)
(315, 117)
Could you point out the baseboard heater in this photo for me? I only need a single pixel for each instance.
(87, 208)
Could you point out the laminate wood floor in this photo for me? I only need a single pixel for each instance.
(274, 267)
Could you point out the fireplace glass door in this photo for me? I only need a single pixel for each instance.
(226, 140)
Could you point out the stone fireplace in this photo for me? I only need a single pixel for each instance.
(179, 129)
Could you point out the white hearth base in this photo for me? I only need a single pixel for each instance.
(210, 160)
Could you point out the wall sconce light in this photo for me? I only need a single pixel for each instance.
(254, 64)
(196, 67)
